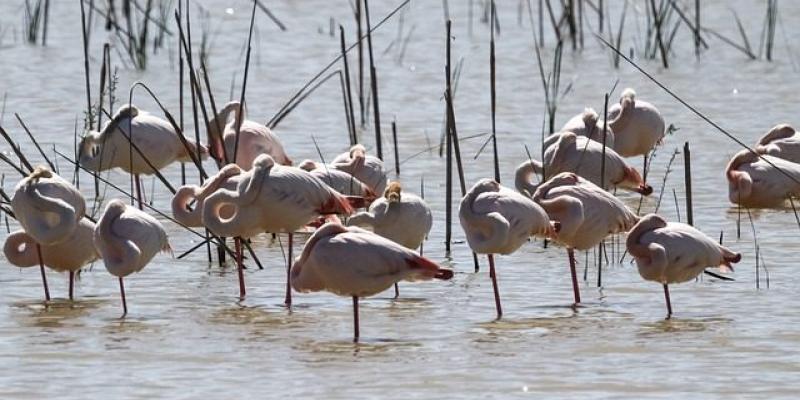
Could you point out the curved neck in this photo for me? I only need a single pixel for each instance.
(523, 175)
(66, 214)
(180, 206)
(636, 248)
(27, 257)
(116, 250)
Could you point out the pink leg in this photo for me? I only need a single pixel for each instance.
(493, 275)
(138, 190)
(240, 266)
(288, 299)
(41, 268)
(355, 319)
(575, 290)
(122, 294)
(669, 303)
(71, 284)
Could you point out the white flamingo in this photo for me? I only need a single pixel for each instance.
(254, 139)
(350, 261)
(127, 239)
(498, 220)
(69, 255)
(583, 156)
(270, 198)
(187, 204)
(638, 125)
(399, 216)
(366, 168)
(339, 181)
(586, 124)
(781, 141)
(753, 182)
(670, 252)
(586, 213)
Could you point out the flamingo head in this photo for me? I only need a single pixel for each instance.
(90, 152)
(485, 185)
(358, 150)
(308, 165)
(39, 172)
(780, 131)
(392, 192)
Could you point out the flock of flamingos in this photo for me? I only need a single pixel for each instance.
(257, 190)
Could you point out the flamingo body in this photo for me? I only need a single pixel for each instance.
(587, 124)
(638, 125)
(781, 141)
(339, 181)
(753, 182)
(401, 217)
(228, 177)
(48, 207)
(70, 254)
(254, 139)
(366, 168)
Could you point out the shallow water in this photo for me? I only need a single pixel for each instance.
(188, 336)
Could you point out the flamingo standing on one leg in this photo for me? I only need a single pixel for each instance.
(49, 210)
(670, 252)
(254, 139)
(498, 220)
(401, 217)
(69, 255)
(366, 168)
(781, 141)
(153, 136)
(587, 214)
(127, 239)
(754, 182)
(583, 156)
(271, 198)
(350, 261)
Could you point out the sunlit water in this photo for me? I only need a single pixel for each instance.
(188, 336)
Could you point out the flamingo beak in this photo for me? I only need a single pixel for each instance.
(645, 190)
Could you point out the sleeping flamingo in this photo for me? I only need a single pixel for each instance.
(153, 136)
(254, 139)
(583, 156)
(752, 182)
(638, 126)
(781, 141)
(367, 169)
(339, 181)
(586, 124)
(187, 204)
(401, 217)
(270, 198)
(69, 255)
(670, 252)
(49, 210)
(586, 213)
(350, 261)
(497, 220)
(127, 239)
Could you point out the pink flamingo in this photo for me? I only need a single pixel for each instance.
(670, 252)
(270, 198)
(638, 125)
(69, 255)
(401, 217)
(367, 169)
(497, 220)
(227, 177)
(339, 181)
(350, 261)
(753, 182)
(586, 124)
(254, 139)
(127, 239)
(49, 209)
(586, 213)
(781, 141)
(583, 156)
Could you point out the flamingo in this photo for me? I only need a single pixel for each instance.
(367, 169)
(401, 217)
(753, 182)
(69, 255)
(586, 124)
(670, 252)
(227, 177)
(153, 136)
(254, 139)
(127, 239)
(350, 261)
(781, 141)
(339, 181)
(581, 155)
(586, 214)
(638, 126)
(497, 220)
(271, 198)
(49, 210)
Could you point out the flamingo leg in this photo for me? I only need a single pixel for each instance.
(396, 291)
(41, 268)
(669, 303)
(475, 259)
(644, 169)
(575, 290)
(122, 295)
(138, 189)
(493, 275)
(355, 319)
(288, 299)
(71, 284)
(240, 266)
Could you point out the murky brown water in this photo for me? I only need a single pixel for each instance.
(187, 336)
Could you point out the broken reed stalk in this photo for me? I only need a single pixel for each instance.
(696, 28)
(448, 184)
(772, 16)
(677, 206)
(396, 150)
(374, 83)
(659, 41)
(271, 16)
(493, 93)
(687, 177)
(351, 113)
(244, 83)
